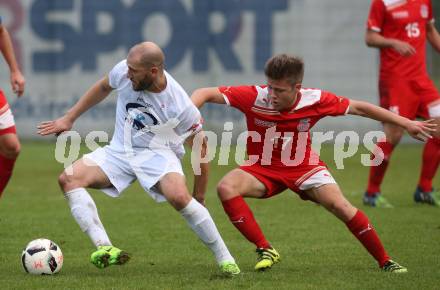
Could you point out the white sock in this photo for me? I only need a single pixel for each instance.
(84, 211)
(199, 219)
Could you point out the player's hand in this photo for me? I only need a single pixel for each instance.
(200, 198)
(56, 127)
(17, 83)
(403, 48)
(421, 130)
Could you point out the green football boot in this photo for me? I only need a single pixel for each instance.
(266, 258)
(393, 267)
(428, 197)
(376, 200)
(108, 255)
(229, 268)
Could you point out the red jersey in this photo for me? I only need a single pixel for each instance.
(405, 20)
(277, 137)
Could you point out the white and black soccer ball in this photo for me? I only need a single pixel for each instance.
(42, 257)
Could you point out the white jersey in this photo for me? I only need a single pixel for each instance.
(147, 120)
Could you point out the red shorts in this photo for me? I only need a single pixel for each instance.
(277, 179)
(410, 98)
(3, 102)
(7, 124)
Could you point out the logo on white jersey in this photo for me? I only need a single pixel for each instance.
(424, 11)
(140, 116)
(304, 125)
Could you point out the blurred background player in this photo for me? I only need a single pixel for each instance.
(280, 113)
(399, 29)
(148, 98)
(9, 143)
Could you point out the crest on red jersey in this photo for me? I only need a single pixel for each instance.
(424, 11)
(304, 125)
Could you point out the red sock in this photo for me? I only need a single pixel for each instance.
(377, 172)
(6, 166)
(242, 218)
(361, 228)
(430, 162)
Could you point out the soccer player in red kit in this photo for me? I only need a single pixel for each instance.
(279, 117)
(399, 28)
(9, 144)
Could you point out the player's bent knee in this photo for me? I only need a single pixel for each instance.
(394, 138)
(342, 209)
(67, 182)
(11, 150)
(393, 134)
(225, 190)
(63, 180)
(179, 200)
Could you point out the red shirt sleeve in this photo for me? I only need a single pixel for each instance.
(332, 105)
(376, 16)
(240, 97)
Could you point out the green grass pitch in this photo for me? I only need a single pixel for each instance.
(317, 251)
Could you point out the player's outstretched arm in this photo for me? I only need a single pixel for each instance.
(433, 36)
(199, 146)
(99, 91)
(204, 95)
(418, 130)
(16, 78)
(375, 39)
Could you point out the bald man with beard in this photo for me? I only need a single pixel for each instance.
(149, 99)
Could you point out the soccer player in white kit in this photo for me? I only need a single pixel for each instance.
(154, 116)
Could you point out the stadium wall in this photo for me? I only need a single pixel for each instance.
(64, 46)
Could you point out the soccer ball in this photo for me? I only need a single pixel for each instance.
(42, 257)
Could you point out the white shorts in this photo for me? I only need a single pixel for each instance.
(6, 119)
(434, 110)
(147, 166)
(318, 179)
